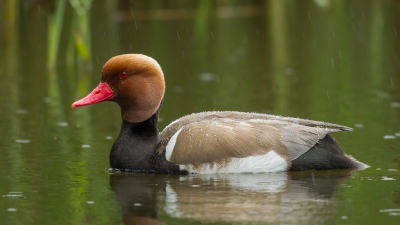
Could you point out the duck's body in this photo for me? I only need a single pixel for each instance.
(208, 142)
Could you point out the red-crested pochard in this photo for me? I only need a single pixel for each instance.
(207, 142)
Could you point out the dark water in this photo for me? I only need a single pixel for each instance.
(335, 61)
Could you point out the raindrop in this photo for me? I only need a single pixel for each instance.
(322, 3)
(389, 210)
(86, 146)
(343, 217)
(195, 185)
(387, 178)
(395, 104)
(383, 94)
(398, 134)
(241, 51)
(22, 141)
(289, 71)
(392, 170)
(62, 124)
(137, 204)
(389, 137)
(11, 209)
(133, 15)
(253, 212)
(90, 202)
(378, 168)
(47, 99)
(108, 137)
(13, 194)
(207, 77)
(359, 125)
(22, 111)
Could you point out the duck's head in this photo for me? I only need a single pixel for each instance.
(134, 81)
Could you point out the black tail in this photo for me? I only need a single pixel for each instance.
(326, 155)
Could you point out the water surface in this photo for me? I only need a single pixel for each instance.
(335, 61)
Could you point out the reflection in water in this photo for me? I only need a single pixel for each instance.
(301, 197)
(137, 196)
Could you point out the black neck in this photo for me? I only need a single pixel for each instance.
(135, 148)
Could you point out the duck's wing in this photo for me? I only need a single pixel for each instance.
(213, 140)
(244, 116)
(212, 136)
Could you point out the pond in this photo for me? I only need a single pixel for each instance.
(333, 61)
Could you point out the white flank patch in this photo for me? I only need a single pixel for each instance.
(270, 162)
(171, 145)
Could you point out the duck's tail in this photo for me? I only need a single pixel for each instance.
(326, 155)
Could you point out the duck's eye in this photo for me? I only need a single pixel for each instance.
(123, 75)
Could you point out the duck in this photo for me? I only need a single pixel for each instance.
(206, 142)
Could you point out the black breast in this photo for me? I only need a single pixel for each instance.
(134, 150)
